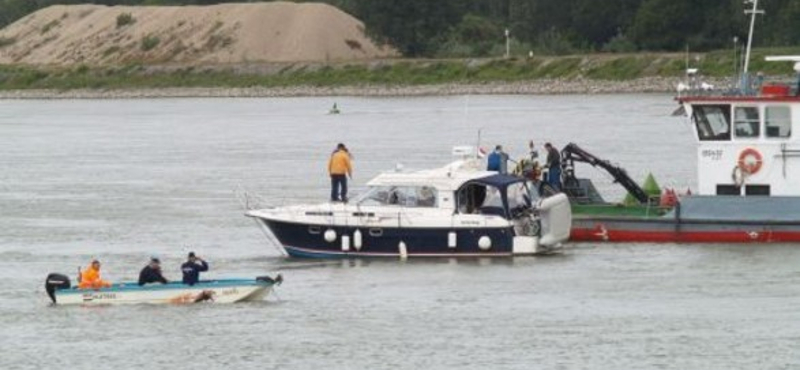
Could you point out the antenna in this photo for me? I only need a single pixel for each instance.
(735, 58)
(478, 145)
(753, 12)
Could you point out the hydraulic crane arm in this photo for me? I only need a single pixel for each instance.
(573, 153)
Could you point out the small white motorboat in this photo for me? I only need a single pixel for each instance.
(61, 292)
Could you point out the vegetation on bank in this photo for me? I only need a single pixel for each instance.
(400, 72)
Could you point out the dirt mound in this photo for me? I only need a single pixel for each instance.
(226, 33)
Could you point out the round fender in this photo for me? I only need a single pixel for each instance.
(485, 243)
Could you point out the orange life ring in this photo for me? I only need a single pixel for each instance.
(748, 165)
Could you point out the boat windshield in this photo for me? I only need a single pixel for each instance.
(406, 196)
(518, 196)
(486, 199)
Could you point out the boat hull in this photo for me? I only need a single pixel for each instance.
(698, 219)
(216, 291)
(672, 231)
(308, 241)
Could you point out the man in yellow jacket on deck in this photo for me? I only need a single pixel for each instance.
(90, 278)
(339, 167)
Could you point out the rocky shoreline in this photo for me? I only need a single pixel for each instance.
(535, 87)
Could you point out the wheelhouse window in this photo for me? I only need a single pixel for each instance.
(406, 196)
(778, 121)
(713, 122)
(746, 123)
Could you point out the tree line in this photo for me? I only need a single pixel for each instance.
(473, 28)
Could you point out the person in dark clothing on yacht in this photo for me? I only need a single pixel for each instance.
(192, 268)
(152, 273)
(553, 166)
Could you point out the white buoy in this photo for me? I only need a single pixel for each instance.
(485, 243)
(403, 250)
(330, 235)
(345, 243)
(357, 239)
(451, 239)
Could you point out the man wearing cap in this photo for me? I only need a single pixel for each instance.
(152, 273)
(191, 269)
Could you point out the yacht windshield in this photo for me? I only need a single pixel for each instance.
(518, 196)
(406, 196)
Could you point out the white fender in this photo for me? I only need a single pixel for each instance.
(485, 243)
(403, 250)
(345, 243)
(551, 201)
(556, 218)
(357, 239)
(451, 239)
(330, 235)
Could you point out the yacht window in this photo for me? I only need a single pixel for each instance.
(480, 199)
(470, 198)
(778, 121)
(746, 122)
(406, 196)
(713, 122)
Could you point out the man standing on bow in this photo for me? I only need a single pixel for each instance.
(340, 168)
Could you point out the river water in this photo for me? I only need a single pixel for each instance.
(121, 180)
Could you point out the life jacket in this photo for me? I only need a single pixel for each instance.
(90, 279)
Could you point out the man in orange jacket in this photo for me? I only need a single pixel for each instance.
(90, 277)
(339, 167)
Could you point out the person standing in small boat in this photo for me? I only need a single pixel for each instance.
(497, 161)
(340, 168)
(152, 273)
(191, 269)
(90, 277)
(553, 167)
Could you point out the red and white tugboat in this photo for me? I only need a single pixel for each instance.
(748, 171)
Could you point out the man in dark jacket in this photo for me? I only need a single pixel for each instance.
(553, 167)
(192, 268)
(152, 273)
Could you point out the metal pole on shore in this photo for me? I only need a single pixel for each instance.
(508, 44)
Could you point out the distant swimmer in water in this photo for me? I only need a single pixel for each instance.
(90, 278)
(334, 109)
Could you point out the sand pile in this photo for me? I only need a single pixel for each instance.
(226, 33)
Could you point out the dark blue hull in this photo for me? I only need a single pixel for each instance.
(308, 241)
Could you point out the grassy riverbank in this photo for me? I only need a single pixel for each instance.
(392, 73)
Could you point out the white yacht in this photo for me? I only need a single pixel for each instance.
(458, 210)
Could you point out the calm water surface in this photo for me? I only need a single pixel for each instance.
(123, 180)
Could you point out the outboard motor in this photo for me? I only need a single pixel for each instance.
(55, 282)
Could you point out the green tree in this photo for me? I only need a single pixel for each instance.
(597, 21)
(412, 26)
